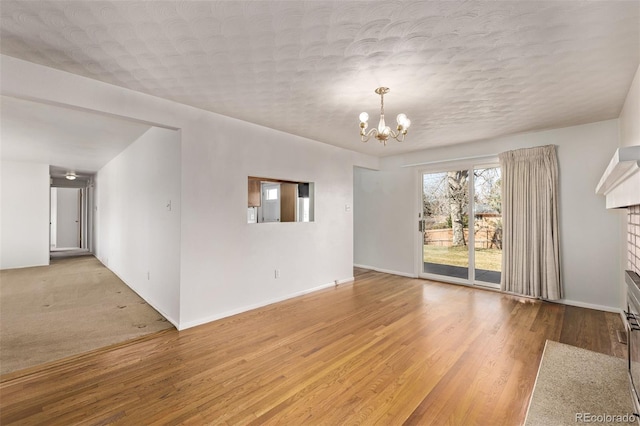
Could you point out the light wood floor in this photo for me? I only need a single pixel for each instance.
(383, 350)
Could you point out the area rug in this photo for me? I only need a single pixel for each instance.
(576, 386)
(70, 307)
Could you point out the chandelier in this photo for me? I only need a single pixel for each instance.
(383, 132)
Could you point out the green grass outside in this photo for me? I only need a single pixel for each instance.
(487, 259)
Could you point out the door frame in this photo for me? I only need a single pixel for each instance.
(86, 210)
(442, 167)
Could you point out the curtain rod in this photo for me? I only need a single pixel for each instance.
(450, 160)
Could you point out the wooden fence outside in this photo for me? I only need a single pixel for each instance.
(485, 237)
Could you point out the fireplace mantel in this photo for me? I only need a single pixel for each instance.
(620, 182)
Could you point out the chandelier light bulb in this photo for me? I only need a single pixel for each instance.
(407, 123)
(402, 119)
(364, 117)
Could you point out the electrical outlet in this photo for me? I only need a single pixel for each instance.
(277, 273)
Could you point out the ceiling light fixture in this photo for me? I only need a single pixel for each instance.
(383, 132)
(71, 176)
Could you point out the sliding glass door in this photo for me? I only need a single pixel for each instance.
(445, 201)
(461, 225)
(487, 224)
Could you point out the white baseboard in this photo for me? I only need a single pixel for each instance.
(386, 271)
(589, 306)
(346, 280)
(215, 317)
(562, 301)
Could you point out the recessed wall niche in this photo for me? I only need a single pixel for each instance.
(276, 200)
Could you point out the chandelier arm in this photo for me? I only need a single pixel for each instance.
(399, 136)
(364, 137)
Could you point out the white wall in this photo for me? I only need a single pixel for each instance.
(226, 264)
(589, 234)
(138, 235)
(630, 115)
(384, 220)
(24, 214)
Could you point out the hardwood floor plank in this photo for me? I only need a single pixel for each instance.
(615, 325)
(589, 329)
(383, 350)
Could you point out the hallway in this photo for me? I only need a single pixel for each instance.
(72, 306)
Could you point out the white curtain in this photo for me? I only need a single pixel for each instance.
(530, 248)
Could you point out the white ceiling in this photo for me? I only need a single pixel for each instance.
(461, 71)
(72, 140)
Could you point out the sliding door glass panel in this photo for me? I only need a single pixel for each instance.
(487, 224)
(445, 218)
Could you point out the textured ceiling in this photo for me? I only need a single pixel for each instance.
(72, 140)
(460, 70)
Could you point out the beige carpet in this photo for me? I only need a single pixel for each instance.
(574, 384)
(72, 306)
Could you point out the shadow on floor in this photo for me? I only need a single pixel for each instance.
(460, 272)
(72, 252)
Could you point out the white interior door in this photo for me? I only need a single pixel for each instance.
(68, 218)
(53, 218)
(270, 202)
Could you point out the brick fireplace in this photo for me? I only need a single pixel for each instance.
(620, 184)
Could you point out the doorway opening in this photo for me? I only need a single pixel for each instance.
(71, 218)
